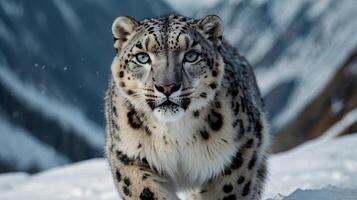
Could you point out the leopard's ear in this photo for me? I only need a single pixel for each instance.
(212, 28)
(123, 27)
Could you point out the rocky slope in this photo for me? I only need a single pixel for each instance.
(336, 101)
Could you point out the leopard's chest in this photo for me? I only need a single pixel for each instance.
(190, 154)
(190, 151)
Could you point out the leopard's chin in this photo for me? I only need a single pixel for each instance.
(168, 112)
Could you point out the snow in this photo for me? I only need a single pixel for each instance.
(328, 193)
(317, 170)
(315, 165)
(84, 180)
(11, 180)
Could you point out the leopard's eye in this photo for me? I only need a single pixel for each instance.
(142, 58)
(191, 56)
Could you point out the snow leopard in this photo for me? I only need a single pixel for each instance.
(183, 113)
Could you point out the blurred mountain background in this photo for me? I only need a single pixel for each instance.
(55, 57)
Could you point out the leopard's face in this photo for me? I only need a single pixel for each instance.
(168, 66)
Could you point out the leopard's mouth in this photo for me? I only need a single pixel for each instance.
(167, 104)
(168, 111)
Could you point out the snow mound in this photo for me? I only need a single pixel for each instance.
(317, 170)
(313, 166)
(328, 193)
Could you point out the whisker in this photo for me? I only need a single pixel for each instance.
(150, 90)
(183, 89)
(185, 95)
(151, 95)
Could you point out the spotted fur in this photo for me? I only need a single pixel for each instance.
(176, 125)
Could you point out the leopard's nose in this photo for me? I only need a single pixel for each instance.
(168, 89)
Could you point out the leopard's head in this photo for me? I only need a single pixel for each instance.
(168, 66)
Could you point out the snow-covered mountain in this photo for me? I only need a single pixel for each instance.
(54, 63)
(295, 46)
(318, 170)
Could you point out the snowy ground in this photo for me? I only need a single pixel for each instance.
(319, 170)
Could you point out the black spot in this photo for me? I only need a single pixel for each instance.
(146, 194)
(215, 120)
(213, 85)
(262, 171)
(127, 181)
(139, 145)
(203, 95)
(185, 103)
(252, 161)
(121, 74)
(249, 143)
(227, 171)
(118, 175)
(130, 92)
(139, 45)
(164, 138)
(230, 197)
(235, 106)
(258, 127)
(144, 177)
(151, 103)
(126, 191)
(214, 73)
(116, 127)
(123, 158)
(144, 160)
(217, 104)
(237, 161)
(259, 135)
(204, 134)
(227, 188)
(134, 120)
(114, 109)
(122, 84)
(240, 180)
(243, 102)
(246, 189)
(196, 113)
(147, 130)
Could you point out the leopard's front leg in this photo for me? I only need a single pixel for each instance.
(135, 180)
(242, 180)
